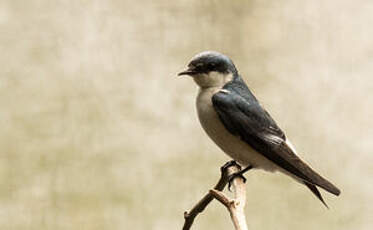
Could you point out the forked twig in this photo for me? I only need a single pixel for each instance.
(235, 206)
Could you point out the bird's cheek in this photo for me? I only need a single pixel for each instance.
(201, 80)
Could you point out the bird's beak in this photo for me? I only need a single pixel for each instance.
(188, 71)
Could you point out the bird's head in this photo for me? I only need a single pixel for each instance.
(210, 69)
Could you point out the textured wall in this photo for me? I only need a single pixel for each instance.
(98, 133)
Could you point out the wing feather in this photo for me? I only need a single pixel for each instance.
(255, 126)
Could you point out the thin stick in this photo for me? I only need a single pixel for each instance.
(235, 206)
(201, 205)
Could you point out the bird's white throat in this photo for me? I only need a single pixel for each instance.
(212, 79)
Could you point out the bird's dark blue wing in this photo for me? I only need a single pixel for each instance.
(244, 117)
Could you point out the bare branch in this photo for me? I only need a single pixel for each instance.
(220, 196)
(235, 206)
(201, 205)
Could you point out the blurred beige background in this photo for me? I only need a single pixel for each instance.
(97, 132)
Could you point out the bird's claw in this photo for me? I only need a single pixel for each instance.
(227, 165)
(234, 175)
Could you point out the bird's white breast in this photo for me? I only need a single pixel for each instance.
(230, 144)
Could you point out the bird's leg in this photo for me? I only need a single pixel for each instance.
(238, 174)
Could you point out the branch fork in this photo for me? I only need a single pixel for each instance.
(234, 205)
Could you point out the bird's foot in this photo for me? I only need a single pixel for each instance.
(238, 174)
(227, 165)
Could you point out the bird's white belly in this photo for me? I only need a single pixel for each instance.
(230, 144)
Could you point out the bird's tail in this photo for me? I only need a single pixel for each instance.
(295, 166)
(316, 192)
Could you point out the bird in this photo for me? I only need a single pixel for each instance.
(238, 124)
